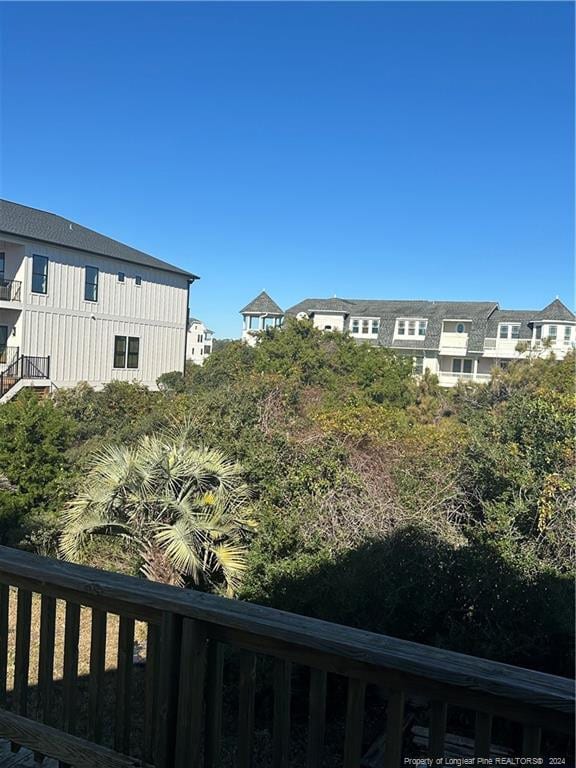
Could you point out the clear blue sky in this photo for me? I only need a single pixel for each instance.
(368, 150)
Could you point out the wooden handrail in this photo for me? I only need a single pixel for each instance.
(361, 653)
(187, 631)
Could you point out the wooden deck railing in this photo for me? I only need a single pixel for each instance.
(182, 689)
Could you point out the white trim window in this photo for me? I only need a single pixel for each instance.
(567, 334)
(411, 327)
(509, 331)
(461, 365)
(553, 332)
(364, 326)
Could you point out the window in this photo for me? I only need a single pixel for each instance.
(355, 325)
(327, 327)
(269, 322)
(460, 365)
(39, 274)
(138, 280)
(91, 283)
(567, 334)
(411, 327)
(200, 338)
(253, 322)
(538, 331)
(133, 351)
(365, 326)
(422, 324)
(509, 331)
(375, 327)
(418, 366)
(553, 332)
(119, 351)
(401, 328)
(121, 277)
(2, 266)
(207, 349)
(460, 328)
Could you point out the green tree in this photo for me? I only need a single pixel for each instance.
(184, 510)
(34, 438)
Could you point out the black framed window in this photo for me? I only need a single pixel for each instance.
(121, 277)
(91, 284)
(133, 351)
(39, 274)
(138, 280)
(119, 351)
(2, 266)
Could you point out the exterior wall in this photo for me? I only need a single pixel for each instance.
(78, 335)
(199, 343)
(335, 321)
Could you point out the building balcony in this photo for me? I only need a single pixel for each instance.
(450, 379)
(167, 701)
(10, 291)
(453, 343)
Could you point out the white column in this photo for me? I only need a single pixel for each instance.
(475, 369)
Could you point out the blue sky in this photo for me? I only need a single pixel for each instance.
(368, 150)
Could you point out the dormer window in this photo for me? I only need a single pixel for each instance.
(355, 325)
(460, 328)
(364, 326)
(411, 327)
(509, 331)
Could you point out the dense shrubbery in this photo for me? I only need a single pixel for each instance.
(381, 502)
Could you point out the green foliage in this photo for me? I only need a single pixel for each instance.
(184, 509)
(34, 438)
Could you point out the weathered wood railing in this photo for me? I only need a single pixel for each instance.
(187, 634)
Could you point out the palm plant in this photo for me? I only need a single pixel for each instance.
(185, 510)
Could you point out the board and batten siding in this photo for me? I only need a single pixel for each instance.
(78, 335)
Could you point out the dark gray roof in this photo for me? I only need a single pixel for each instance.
(435, 312)
(261, 305)
(16, 219)
(556, 310)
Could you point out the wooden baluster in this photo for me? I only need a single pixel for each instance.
(247, 687)
(394, 730)
(437, 733)
(531, 741)
(97, 674)
(4, 605)
(482, 734)
(46, 657)
(281, 731)
(191, 694)
(316, 718)
(124, 684)
(214, 682)
(22, 654)
(354, 723)
(169, 670)
(71, 638)
(151, 690)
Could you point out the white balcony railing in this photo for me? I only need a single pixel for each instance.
(453, 341)
(450, 379)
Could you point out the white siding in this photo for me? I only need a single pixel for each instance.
(78, 335)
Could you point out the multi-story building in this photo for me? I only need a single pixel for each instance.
(454, 340)
(78, 306)
(261, 313)
(199, 344)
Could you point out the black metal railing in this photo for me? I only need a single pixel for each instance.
(24, 367)
(8, 355)
(10, 290)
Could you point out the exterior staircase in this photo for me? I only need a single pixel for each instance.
(24, 367)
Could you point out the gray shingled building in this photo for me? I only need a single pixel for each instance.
(453, 339)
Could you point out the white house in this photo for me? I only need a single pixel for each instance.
(454, 340)
(199, 344)
(261, 313)
(78, 306)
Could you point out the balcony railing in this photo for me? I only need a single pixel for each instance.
(10, 290)
(23, 367)
(453, 341)
(8, 355)
(451, 376)
(190, 663)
